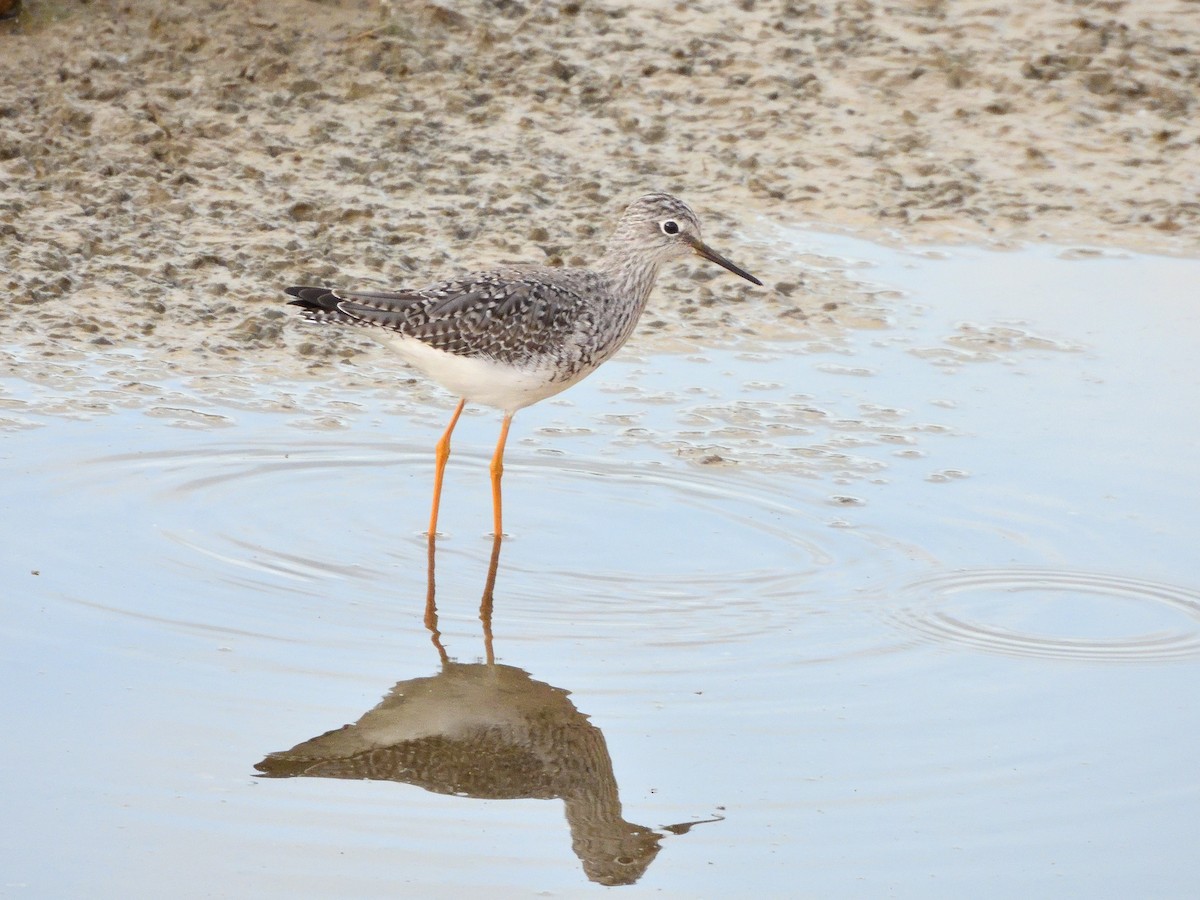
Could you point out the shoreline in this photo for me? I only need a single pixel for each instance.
(166, 169)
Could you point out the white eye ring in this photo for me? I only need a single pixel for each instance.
(670, 227)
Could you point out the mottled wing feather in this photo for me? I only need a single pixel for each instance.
(504, 314)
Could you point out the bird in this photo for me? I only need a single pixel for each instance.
(511, 336)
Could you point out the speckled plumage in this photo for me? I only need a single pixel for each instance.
(515, 316)
(509, 337)
(560, 322)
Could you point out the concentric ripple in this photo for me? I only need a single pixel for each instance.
(676, 555)
(1054, 614)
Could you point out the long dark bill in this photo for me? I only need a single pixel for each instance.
(702, 249)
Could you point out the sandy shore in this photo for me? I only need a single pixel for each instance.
(165, 168)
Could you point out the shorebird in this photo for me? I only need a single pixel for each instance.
(509, 337)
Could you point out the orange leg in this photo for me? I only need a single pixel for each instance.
(443, 454)
(497, 469)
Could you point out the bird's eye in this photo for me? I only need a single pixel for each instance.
(670, 227)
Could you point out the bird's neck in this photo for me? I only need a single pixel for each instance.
(632, 277)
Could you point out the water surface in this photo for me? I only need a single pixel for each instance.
(909, 611)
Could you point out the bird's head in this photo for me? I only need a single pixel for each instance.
(666, 228)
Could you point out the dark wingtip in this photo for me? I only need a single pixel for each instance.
(311, 297)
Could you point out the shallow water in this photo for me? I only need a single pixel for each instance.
(913, 614)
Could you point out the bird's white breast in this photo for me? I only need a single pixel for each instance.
(479, 379)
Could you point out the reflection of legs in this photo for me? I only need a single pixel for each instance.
(431, 617)
(497, 472)
(485, 603)
(442, 454)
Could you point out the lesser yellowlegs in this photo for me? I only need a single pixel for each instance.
(512, 336)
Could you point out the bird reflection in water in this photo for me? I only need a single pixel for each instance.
(488, 731)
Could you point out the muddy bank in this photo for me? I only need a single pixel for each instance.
(165, 168)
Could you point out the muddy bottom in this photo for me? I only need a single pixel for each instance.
(911, 609)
